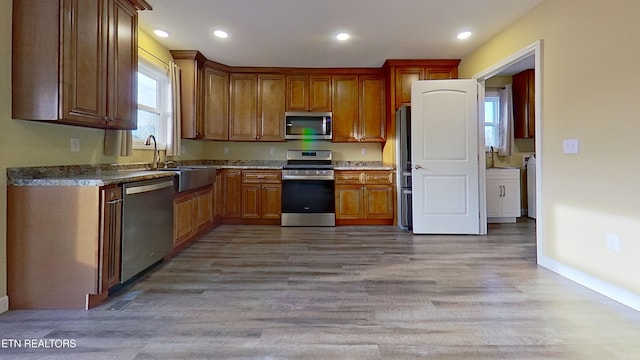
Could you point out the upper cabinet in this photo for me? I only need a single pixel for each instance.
(524, 104)
(257, 107)
(204, 96)
(75, 62)
(358, 108)
(308, 93)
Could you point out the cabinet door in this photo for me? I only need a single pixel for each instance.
(216, 114)
(494, 198)
(297, 93)
(191, 88)
(349, 202)
(511, 198)
(184, 219)
(372, 107)
(379, 202)
(270, 201)
(231, 193)
(123, 66)
(204, 208)
(84, 62)
(111, 237)
(405, 76)
(244, 107)
(271, 104)
(440, 73)
(320, 93)
(345, 109)
(251, 201)
(524, 104)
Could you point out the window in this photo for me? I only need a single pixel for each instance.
(153, 105)
(491, 119)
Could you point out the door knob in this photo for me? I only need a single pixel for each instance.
(419, 167)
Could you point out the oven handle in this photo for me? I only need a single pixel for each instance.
(308, 177)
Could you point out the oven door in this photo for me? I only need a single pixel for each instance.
(308, 203)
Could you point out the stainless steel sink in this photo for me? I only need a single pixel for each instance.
(192, 177)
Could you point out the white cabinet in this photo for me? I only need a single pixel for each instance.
(503, 194)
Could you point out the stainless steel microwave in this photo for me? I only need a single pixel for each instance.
(307, 125)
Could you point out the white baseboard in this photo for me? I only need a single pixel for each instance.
(616, 293)
(4, 304)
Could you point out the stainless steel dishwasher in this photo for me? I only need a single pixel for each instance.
(147, 224)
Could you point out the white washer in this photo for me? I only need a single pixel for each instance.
(531, 187)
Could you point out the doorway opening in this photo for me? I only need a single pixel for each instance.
(491, 80)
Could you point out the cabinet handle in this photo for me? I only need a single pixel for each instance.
(418, 167)
(114, 201)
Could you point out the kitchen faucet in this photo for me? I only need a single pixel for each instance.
(156, 154)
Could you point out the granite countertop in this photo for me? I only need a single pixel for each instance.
(109, 174)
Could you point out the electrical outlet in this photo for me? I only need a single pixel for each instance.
(363, 151)
(613, 242)
(272, 151)
(75, 144)
(226, 150)
(570, 146)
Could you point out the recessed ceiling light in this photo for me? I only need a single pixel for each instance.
(220, 34)
(464, 35)
(161, 33)
(342, 36)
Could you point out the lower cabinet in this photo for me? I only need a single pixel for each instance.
(503, 195)
(231, 201)
(192, 213)
(261, 194)
(364, 197)
(63, 245)
(111, 237)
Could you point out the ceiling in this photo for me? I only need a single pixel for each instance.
(301, 33)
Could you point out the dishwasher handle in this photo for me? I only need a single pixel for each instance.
(149, 187)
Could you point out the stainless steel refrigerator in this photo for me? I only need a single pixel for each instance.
(403, 171)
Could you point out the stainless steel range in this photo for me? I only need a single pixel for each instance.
(308, 194)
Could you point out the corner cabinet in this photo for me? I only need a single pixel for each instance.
(75, 62)
(503, 194)
(204, 96)
(364, 197)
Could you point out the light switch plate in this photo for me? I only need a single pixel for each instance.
(570, 146)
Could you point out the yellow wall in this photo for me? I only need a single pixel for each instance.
(590, 92)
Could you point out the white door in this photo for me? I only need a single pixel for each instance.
(444, 154)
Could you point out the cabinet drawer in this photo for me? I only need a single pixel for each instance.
(502, 174)
(377, 177)
(348, 177)
(261, 176)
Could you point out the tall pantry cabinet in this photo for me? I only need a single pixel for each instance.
(75, 62)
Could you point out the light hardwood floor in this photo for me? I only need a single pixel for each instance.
(266, 292)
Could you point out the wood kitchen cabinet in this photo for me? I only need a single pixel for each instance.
(364, 197)
(204, 96)
(524, 104)
(111, 236)
(75, 62)
(261, 194)
(216, 104)
(231, 194)
(503, 195)
(358, 109)
(192, 213)
(67, 258)
(257, 107)
(308, 93)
